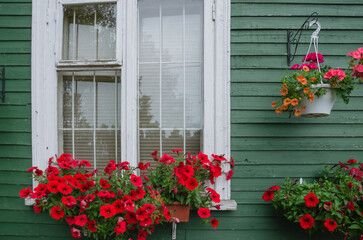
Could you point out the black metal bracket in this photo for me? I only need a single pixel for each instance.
(293, 38)
(3, 85)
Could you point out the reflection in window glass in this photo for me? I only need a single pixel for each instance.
(170, 76)
(89, 32)
(89, 116)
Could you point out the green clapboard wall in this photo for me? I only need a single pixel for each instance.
(267, 147)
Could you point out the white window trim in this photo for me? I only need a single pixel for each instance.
(46, 35)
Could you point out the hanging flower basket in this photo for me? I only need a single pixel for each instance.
(178, 211)
(321, 106)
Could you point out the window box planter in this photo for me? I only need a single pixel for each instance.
(181, 212)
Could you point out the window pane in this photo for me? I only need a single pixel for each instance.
(170, 76)
(92, 100)
(89, 32)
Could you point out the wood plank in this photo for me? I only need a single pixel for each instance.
(15, 8)
(326, 36)
(293, 130)
(26, 217)
(339, 117)
(270, 89)
(10, 138)
(297, 143)
(11, 151)
(16, 72)
(276, 49)
(15, 21)
(15, 203)
(15, 111)
(16, 177)
(57, 229)
(258, 75)
(11, 190)
(12, 85)
(239, 234)
(17, 98)
(301, 156)
(259, 184)
(263, 62)
(264, 103)
(297, 9)
(353, 23)
(15, 47)
(15, 164)
(15, 125)
(32, 238)
(15, 34)
(15, 59)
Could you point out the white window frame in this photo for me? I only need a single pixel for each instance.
(46, 60)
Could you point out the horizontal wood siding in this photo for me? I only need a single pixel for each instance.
(269, 147)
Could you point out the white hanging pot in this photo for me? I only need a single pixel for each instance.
(321, 106)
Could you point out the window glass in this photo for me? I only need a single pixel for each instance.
(89, 116)
(89, 32)
(170, 76)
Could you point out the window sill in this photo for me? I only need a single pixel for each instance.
(226, 205)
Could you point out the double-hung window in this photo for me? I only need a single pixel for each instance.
(119, 79)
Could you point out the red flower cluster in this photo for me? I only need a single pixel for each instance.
(306, 221)
(330, 224)
(269, 194)
(311, 200)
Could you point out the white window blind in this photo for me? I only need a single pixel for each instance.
(170, 76)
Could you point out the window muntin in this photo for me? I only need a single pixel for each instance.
(89, 32)
(170, 76)
(89, 115)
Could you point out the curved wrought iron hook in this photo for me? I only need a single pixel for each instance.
(294, 38)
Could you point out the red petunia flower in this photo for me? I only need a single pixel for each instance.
(104, 184)
(306, 221)
(191, 183)
(37, 208)
(214, 223)
(70, 220)
(311, 200)
(140, 193)
(69, 201)
(155, 153)
(65, 188)
(177, 150)
(141, 214)
(129, 205)
(167, 159)
(76, 233)
(53, 186)
(110, 167)
(187, 171)
(81, 220)
(31, 169)
(143, 166)
(52, 170)
(146, 179)
(229, 175)
(136, 180)
(119, 206)
(120, 227)
(350, 206)
(89, 198)
(204, 212)
(24, 193)
(84, 163)
(107, 211)
(330, 224)
(268, 195)
(215, 197)
(57, 213)
(343, 165)
(131, 218)
(149, 208)
(167, 214)
(91, 225)
(145, 223)
(274, 188)
(352, 161)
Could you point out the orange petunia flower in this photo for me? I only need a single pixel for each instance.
(304, 81)
(294, 102)
(284, 85)
(299, 78)
(297, 112)
(311, 94)
(306, 68)
(284, 107)
(278, 110)
(287, 101)
(313, 79)
(284, 91)
(273, 104)
(306, 90)
(304, 107)
(311, 99)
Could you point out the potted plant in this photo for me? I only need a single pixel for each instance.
(183, 183)
(111, 204)
(334, 203)
(311, 90)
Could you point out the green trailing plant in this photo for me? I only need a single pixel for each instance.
(333, 203)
